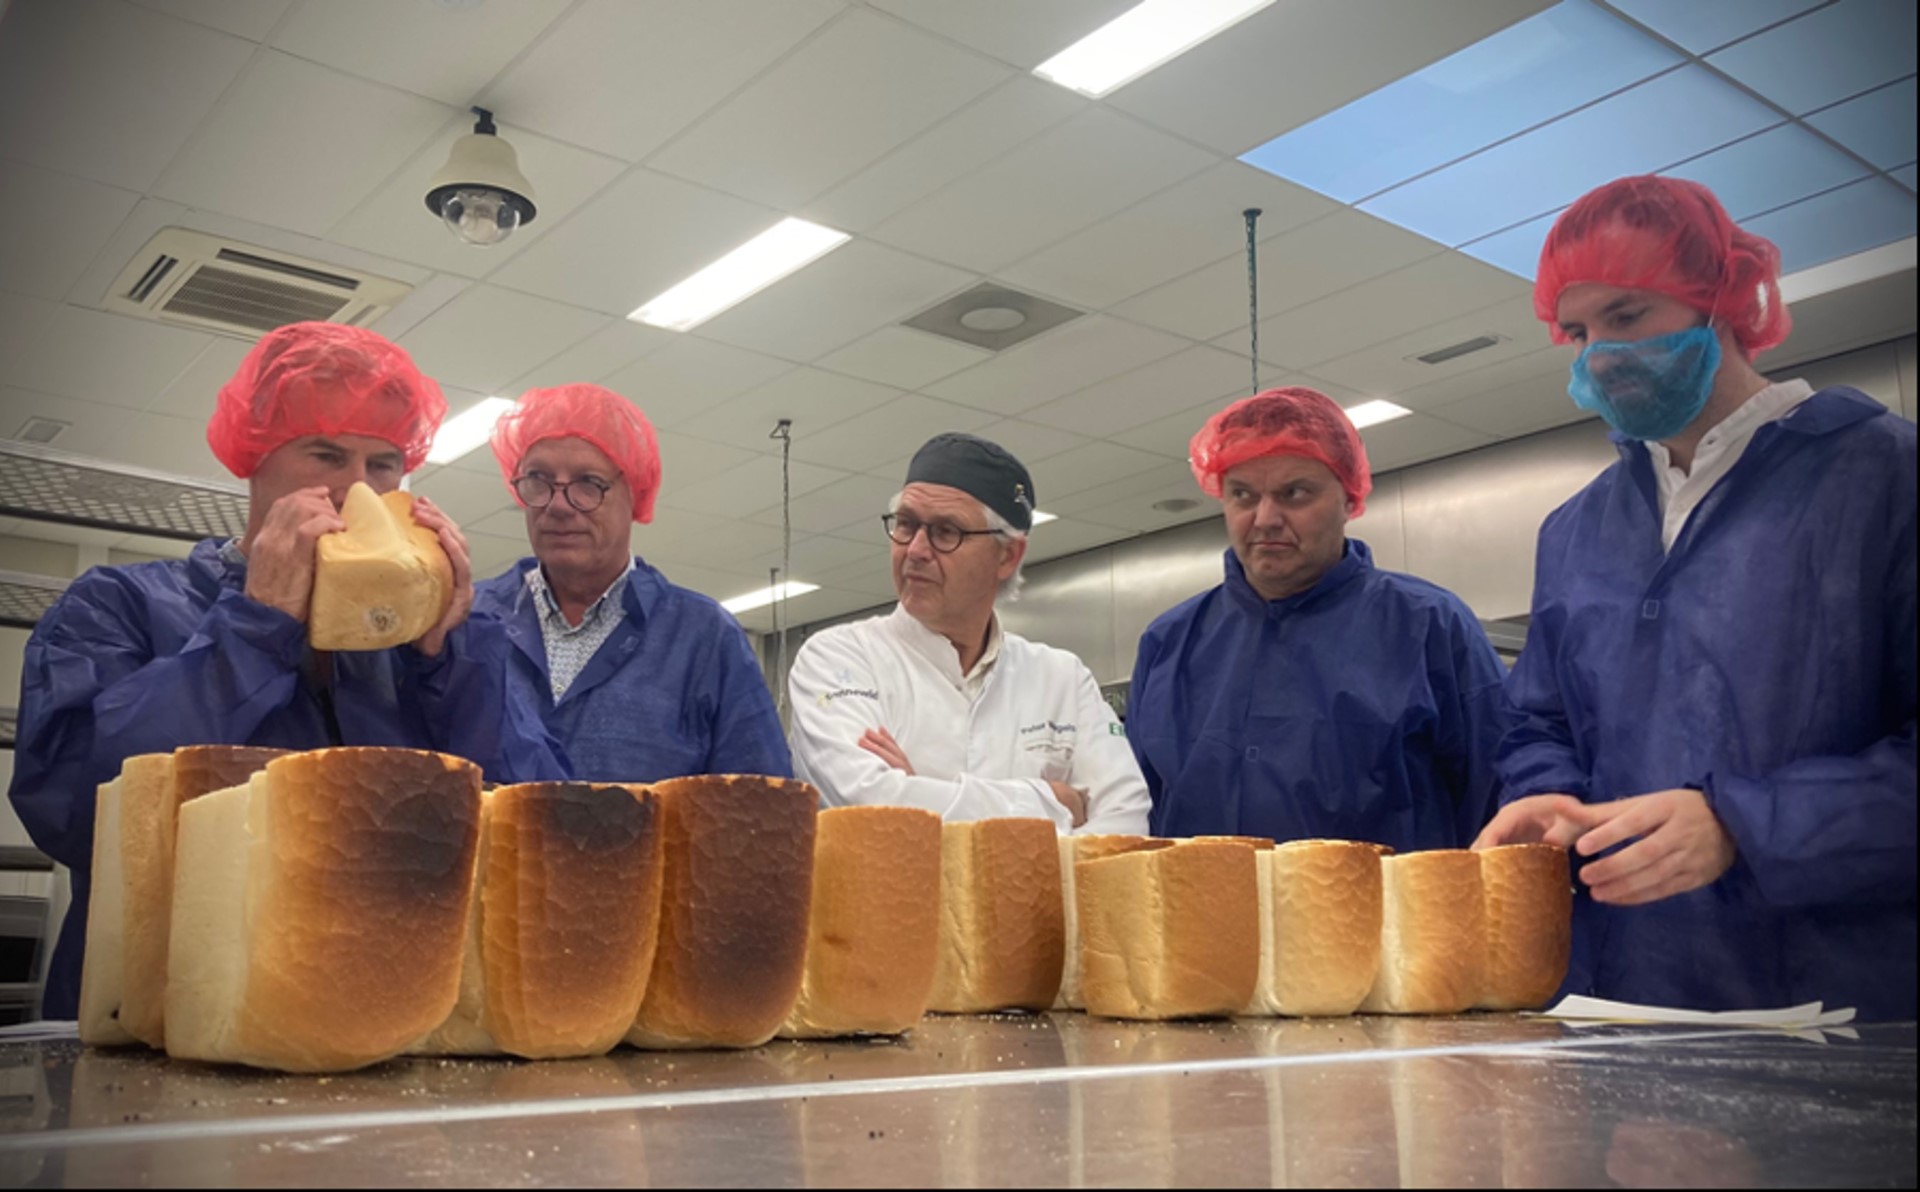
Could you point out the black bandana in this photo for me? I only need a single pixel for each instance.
(983, 470)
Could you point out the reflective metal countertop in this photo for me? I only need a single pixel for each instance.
(1483, 1100)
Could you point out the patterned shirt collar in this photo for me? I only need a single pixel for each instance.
(550, 604)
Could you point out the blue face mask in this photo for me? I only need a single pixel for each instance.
(1650, 389)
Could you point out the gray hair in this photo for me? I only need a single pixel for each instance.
(1003, 530)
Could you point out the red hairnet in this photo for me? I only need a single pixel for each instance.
(1290, 421)
(1670, 236)
(323, 379)
(598, 416)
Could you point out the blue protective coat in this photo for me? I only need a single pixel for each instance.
(674, 690)
(1767, 660)
(1365, 708)
(150, 657)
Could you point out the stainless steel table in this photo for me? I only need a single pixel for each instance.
(1057, 1099)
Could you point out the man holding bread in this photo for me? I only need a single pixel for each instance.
(933, 705)
(214, 649)
(638, 679)
(1717, 695)
(1311, 694)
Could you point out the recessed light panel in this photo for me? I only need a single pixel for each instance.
(1828, 55)
(467, 430)
(1703, 26)
(1878, 125)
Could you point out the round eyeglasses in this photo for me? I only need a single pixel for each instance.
(944, 537)
(585, 494)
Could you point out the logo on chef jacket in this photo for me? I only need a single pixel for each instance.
(839, 693)
(1049, 736)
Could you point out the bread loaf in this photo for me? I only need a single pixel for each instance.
(1073, 850)
(1002, 925)
(560, 938)
(1257, 842)
(1319, 927)
(873, 930)
(103, 965)
(381, 582)
(1169, 933)
(1433, 935)
(737, 883)
(1529, 899)
(320, 911)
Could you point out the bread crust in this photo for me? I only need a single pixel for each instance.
(1002, 921)
(1170, 933)
(1321, 925)
(1529, 906)
(1433, 942)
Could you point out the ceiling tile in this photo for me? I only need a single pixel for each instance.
(638, 237)
(838, 506)
(23, 324)
(251, 19)
(1030, 442)
(687, 460)
(744, 489)
(711, 583)
(1082, 468)
(1052, 186)
(446, 52)
(623, 76)
(1878, 126)
(1289, 63)
(1702, 28)
(816, 553)
(395, 222)
(1404, 301)
(1173, 233)
(858, 89)
(1416, 439)
(616, 345)
(1127, 500)
(1060, 362)
(115, 434)
(113, 359)
(1066, 537)
(871, 576)
(56, 224)
(835, 300)
(965, 142)
(469, 497)
(1551, 362)
(426, 298)
(691, 376)
(804, 610)
(1146, 394)
(191, 394)
(1297, 267)
(887, 432)
(1522, 408)
(488, 336)
(1388, 367)
(1827, 55)
(813, 399)
(254, 157)
(1019, 32)
(704, 540)
(1170, 436)
(903, 357)
(105, 90)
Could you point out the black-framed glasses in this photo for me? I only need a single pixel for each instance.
(585, 494)
(944, 537)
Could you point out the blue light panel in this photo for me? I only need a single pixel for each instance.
(1702, 26)
(1838, 224)
(1878, 126)
(1780, 166)
(1828, 55)
(1517, 250)
(1669, 119)
(1542, 67)
(1906, 176)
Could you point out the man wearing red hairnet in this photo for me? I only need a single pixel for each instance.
(638, 679)
(1312, 694)
(212, 649)
(1718, 686)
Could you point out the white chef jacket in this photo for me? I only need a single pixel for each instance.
(983, 745)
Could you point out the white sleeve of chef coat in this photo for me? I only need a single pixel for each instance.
(834, 694)
(1104, 767)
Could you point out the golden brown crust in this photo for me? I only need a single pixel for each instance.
(1002, 922)
(360, 925)
(1529, 901)
(1325, 911)
(1433, 934)
(1073, 850)
(1260, 843)
(152, 819)
(1170, 933)
(737, 884)
(874, 928)
(570, 903)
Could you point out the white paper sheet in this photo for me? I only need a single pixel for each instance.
(1592, 1010)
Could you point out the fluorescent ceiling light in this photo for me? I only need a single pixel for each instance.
(1848, 271)
(785, 247)
(766, 596)
(1041, 518)
(1373, 413)
(467, 430)
(1140, 39)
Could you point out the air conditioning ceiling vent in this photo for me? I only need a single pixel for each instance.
(202, 281)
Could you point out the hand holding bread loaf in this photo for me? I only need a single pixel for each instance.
(384, 579)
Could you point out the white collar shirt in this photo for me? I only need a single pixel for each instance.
(1720, 449)
(571, 647)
